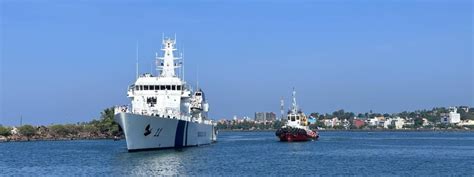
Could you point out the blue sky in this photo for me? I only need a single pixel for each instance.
(64, 61)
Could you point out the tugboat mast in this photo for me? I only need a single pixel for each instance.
(282, 111)
(294, 108)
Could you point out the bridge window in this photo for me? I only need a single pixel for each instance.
(173, 87)
(297, 117)
(179, 87)
(141, 87)
(162, 87)
(145, 87)
(168, 87)
(292, 118)
(137, 87)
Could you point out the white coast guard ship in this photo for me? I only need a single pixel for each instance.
(165, 112)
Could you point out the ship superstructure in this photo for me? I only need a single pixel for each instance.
(165, 112)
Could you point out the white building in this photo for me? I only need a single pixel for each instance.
(387, 122)
(398, 123)
(14, 131)
(332, 122)
(453, 117)
(467, 123)
(426, 122)
(373, 121)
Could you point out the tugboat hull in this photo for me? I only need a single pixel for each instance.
(296, 134)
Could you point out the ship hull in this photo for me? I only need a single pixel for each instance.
(152, 132)
(296, 134)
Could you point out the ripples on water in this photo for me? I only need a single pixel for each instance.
(254, 153)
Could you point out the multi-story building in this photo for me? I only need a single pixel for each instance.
(453, 117)
(398, 122)
(387, 122)
(332, 122)
(265, 117)
(373, 121)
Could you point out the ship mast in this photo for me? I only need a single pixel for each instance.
(294, 108)
(282, 111)
(167, 63)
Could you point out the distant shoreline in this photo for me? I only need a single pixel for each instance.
(255, 131)
(59, 139)
(361, 130)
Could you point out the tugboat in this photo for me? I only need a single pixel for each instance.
(296, 127)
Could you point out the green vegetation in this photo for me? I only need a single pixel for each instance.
(104, 127)
(62, 130)
(466, 115)
(391, 127)
(5, 131)
(27, 130)
(106, 124)
(418, 122)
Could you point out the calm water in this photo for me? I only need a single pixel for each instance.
(254, 153)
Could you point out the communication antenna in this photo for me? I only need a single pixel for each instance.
(151, 68)
(282, 111)
(295, 106)
(181, 67)
(182, 64)
(197, 78)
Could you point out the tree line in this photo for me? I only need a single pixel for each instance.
(104, 127)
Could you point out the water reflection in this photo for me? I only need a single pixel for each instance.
(161, 162)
